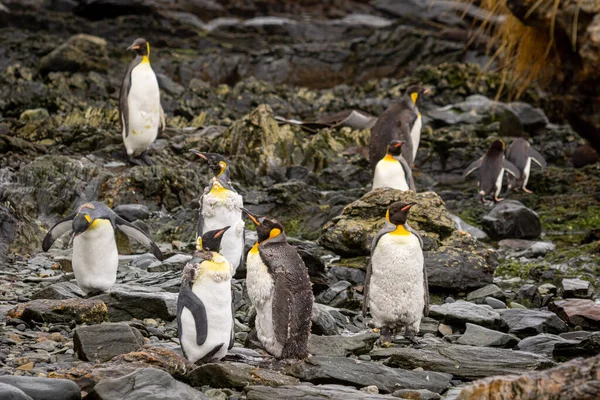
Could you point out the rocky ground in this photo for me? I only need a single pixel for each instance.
(513, 287)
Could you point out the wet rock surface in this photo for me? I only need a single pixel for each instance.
(224, 86)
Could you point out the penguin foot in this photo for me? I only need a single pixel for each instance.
(527, 190)
(496, 199)
(146, 158)
(386, 345)
(375, 330)
(135, 161)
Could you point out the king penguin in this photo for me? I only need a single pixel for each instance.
(95, 257)
(221, 205)
(520, 153)
(392, 170)
(491, 171)
(204, 311)
(396, 288)
(280, 290)
(141, 114)
(401, 120)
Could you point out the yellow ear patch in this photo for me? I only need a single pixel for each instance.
(274, 232)
(387, 216)
(87, 218)
(414, 96)
(148, 48)
(254, 249)
(223, 166)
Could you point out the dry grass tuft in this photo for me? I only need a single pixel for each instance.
(525, 54)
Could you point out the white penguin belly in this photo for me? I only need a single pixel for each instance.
(144, 109)
(95, 257)
(219, 212)
(389, 173)
(260, 290)
(526, 171)
(216, 297)
(396, 291)
(499, 182)
(415, 135)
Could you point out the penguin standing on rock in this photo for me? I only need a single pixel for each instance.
(392, 170)
(401, 120)
(280, 290)
(396, 288)
(491, 171)
(204, 313)
(95, 257)
(520, 153)
(221, 205)
(141, 114)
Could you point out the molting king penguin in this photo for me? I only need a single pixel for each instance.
(280, 290)
(95, 257)
(396, 288)
(401, 120)
(141, 114)
(520, 153)
(491, 171)
(221, 205)
(204, 311)
(392, 170)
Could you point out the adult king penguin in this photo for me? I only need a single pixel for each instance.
(204, 313)
(221, 205)
(520, 153)
(280, 290)
(95, 257)
(396, 289)
(401, 120)
(392, 170)
(491, 171)
(141, 114)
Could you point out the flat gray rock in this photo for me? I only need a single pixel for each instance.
(464, 362)
(476, 335)
(236, 375)
(305, 392)
(100, 343)
(42, 388)
(123, 306)
(523, 323)
(360, 374)
(461, 312)
(478, 296)
(59, 291)
(9, 392)
(542, 344)
(576, 288)
(144, 384)
(342, 346)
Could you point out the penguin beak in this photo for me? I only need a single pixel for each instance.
(408, 206)
(221, 232)
(399, 144)
(72, 238)
(427, 90)
(133, 47)
(199, 154)
(252, 217)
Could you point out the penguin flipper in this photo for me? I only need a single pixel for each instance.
(187, 299)
(124, 94)
(282, 297)
(425, 292)
(163, 124)
(200, 219)
(472, 167)
(537, 157)
(139, 235)
(511, 168)
(408, 174)
(59, 229)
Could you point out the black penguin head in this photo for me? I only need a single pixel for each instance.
(81, 223)
(216, 162)
(395, 147)
(211, 240)
(415, 92)
(140, 46)
(496, 147)
(266, 228)
(397, 212)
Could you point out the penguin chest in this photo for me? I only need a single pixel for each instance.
(144, 108)
(389, 173)
(95, 257)
(415, 135)
(218, 212)
(260, 287)
(396, 291)
(213, 288)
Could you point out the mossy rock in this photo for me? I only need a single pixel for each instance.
(79, 53)
(351, 233)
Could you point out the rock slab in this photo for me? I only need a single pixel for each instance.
(89, 311)
(585, 313)
(523, 323)
(304, 392)
(43, 388)
(100, 343)
(476, 335)
(510, 219)
(462, 312)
